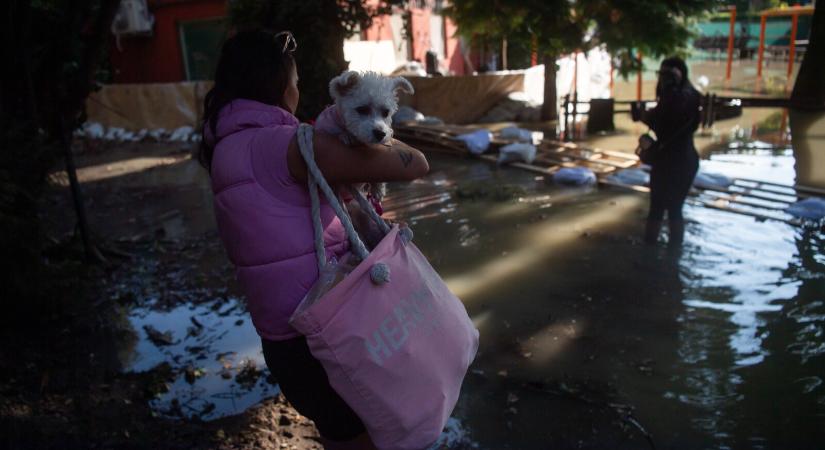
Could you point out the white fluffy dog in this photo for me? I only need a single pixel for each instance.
(363, 110)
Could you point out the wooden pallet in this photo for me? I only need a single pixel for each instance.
(755, 198)
(550, 155)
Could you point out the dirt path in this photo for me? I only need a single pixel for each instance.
(61, 383)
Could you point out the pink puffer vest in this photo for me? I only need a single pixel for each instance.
(263, 214)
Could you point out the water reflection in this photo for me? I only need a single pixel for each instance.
(584, 330)
(561, 292)
(216, 350)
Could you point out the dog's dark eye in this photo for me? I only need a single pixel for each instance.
(363, 110)
(385, 112)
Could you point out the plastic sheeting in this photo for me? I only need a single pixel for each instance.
(812, 208)
(631, 177)
(462, 100)
(477, 142)
(518, 152)
(148, 106)
(574, 176)
(708, 180)
(519, 134)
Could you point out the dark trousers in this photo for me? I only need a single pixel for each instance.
(670, 181)
(304, 383)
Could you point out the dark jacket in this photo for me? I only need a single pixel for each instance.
(674, 119)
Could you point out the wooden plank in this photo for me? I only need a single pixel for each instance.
(695, 200)
(597, 160)
(799, 188)
(528, 167)
(574, 146)
(747, 192)
(630, 187)
(794, 222)
(742, 201)
(595, 166)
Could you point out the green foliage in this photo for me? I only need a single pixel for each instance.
(656, 28)
(320, 27)
(51, 49)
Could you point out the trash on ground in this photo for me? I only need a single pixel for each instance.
(574, 176)
(477, 142)
(158, 338)
(812, 208)
(518, 152)
(631, 177)
(516, 133)
(708, 180)
(517, 107)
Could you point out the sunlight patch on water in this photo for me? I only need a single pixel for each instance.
(538, 241)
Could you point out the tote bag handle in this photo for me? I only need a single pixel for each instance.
(380, 272)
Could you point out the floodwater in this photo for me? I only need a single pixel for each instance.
(721, 346)
(589, 339)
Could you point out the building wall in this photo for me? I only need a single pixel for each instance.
(421, 42)
(454, 59)
(159, 58)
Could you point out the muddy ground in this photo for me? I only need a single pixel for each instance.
(64, 380)
(61, 378)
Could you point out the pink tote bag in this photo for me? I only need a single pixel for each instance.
(394, 341)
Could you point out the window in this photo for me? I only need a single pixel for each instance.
(200, 41)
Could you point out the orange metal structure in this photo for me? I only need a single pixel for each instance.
(794, 12)
(731, 35)
(639, 78)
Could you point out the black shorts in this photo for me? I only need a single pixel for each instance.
(304, 383)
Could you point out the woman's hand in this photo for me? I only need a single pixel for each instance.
(359, 164)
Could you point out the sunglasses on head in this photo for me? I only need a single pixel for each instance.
(290, 44)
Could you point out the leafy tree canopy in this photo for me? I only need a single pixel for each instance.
(320, 27)
(655, 27)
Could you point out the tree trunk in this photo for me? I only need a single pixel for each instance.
(504, 53)
(810, 87)
(320, 35)
(549, 110)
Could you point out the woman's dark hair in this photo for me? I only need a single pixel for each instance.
(667, 79)
(253, 65)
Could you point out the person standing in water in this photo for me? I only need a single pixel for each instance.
(674, 120)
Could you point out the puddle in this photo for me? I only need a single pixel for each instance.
(218, 352)
(587, 336)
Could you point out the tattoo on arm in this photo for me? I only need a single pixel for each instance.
(406, 157)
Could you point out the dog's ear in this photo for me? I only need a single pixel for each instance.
(341, 85)
(402, 85)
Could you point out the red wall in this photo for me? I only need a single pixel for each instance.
(452, 50)
(159, 58)
(381, 29)
(420, 33)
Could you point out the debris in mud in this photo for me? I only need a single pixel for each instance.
(645, 366)
(158, 338)
(158, 380)
(192, 373)
(249, 374)
(195, 322)
(511, 398)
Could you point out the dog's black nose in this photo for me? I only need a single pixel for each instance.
(379, 135)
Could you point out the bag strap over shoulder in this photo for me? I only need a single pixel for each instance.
(379, 273)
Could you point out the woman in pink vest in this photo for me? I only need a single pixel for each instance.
(262, 208)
